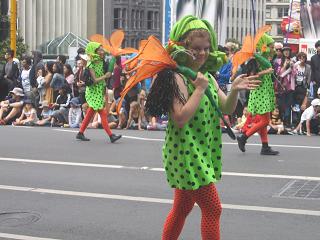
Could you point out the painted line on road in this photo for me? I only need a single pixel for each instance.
(22, 237)
(155, 200)
(146, 168)
(226, 143)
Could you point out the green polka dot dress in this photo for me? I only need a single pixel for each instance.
(192, 154)
(95, 93)
(262, 99)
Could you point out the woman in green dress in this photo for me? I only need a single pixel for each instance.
(95, 93)
(192, 150)
(262, 99)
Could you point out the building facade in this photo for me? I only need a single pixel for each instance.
(240, 18)
(139, 19)
(41, 21)
(275, 11)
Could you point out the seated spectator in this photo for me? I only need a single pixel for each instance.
(276, 124)
(11, 108)
(135, 118)
(309, 119)
(96, 122)
(28, 116)
(46, 114)
(75, 113)
(158, 123)
(122, 117)
(241, 121)
(61, 108)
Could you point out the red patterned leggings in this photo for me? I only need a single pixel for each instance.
(208, 200)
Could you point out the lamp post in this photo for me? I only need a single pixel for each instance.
(13, 25)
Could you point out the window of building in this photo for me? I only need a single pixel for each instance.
(150, 20)
(117, 18)
(157, 20)
(141, 19)
(137, 19)
(279, 30)
(124, 18)
(132, 19)
(283, 12)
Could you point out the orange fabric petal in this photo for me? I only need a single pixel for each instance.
(101, 39)
(260, 32)
(244, 54)
(116, 39)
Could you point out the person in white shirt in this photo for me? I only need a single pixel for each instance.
(28, 116)
(308, 117)
(24, 77)
(41, 84)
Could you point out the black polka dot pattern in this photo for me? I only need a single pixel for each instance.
(192, 154)
(95, 93)
(262, 99)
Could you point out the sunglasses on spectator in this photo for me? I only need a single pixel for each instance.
(278, 49)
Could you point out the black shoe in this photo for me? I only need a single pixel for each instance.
(268, 151)
(114, 137)
(81, 137)
(242, 140)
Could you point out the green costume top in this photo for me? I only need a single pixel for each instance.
(262, 99)
(95, 93)
(192, 154)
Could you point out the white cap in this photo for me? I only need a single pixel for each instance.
(315, 102)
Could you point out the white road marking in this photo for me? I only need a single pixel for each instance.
(145, 168)
(22, 237)
(155, 200)
(226, 143)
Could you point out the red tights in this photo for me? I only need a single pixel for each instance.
(259, 125)
(208, 200)
(89, 115)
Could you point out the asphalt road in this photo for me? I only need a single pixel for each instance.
(54, 187)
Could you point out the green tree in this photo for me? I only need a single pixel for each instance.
(22, 48)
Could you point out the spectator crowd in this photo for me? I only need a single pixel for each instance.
(34, 92)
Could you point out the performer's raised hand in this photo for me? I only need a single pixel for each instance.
(244, 82)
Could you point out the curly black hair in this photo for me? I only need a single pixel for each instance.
(163, 92)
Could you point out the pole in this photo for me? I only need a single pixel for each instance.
(288, 29)
(253, 16)
(13, 25)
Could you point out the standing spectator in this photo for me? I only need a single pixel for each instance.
(10, 70)
(69, 76)
(315, 69)
(301, 74)
(276, 62)
(81, 87)
(286, 96)
(116, 84)
(24, 80)
(48, 79)
(75, 113)
(224, 74)
(37, 63)
(12, 107)
(46, 114)
(41, 84)
(62, 59)
(28, 116)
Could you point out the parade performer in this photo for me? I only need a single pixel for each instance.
(95, 93)
(258, 53)
(192, 149)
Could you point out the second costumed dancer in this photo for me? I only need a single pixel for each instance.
(95, 93)
(262, 99)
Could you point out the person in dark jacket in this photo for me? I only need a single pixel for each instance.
(315, 69)
(10, 70)
(37, 64)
